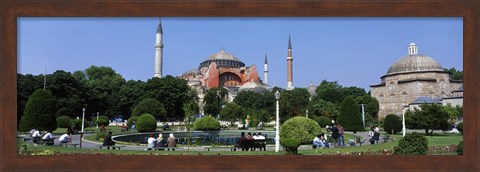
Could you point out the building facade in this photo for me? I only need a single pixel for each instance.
(411, 77)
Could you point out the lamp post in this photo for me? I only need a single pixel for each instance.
(277, 125)
(363, 115)
(83, 119)
(404, 129)
(97, 119)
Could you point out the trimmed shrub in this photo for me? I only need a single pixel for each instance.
(146, 123)
(100, 135)
(460, 148)
(150, 106)
(300, 128)
(412, 144)
(131, 120)
(206, 123)
(39, 112)
(323, 121)
(77, 124)
(350, 116)
(460, 127)
(64, 121)
(291, 145)
(392, 123)
(101, 120)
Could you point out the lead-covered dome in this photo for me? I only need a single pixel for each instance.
(223, 59)
(253, 86)
(414, 62)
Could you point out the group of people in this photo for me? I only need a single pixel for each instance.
(320, 141)
(47, 137)
(243, 140)
(161, 142)
(374, 134)
(337, 135)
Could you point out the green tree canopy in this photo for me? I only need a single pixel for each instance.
(293, 103)
(429, 117)
(350, 116)
(39, 112)
(70, 94)
(214, 100)
(232, 112)
(150, 106)
(455, 74)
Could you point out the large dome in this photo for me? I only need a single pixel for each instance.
(253, 86)
(414, 63)
(224, 59)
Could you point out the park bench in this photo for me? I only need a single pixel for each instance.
(164, 148)
(68, 144)
(112, 146)
(354, 143)
(386, 138)
(46, 142)
(252, 145)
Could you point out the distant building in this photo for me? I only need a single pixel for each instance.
(413, 79)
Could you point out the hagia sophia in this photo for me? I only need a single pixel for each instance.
(412, 80)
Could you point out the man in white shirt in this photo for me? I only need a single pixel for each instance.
(260, 136)
(65, 138)
(151, 142)
(36, 135)
(47, 136)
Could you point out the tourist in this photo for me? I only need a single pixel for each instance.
(151, 142)
(241, 142)
(124, 127)
(260, 136)
(47, 137)
(64, 138)
(35, 135)
(171, 142)
(161, 142)
(341, 138)
(255, 136)
(371, 135)
(335, 135)
(249, 136)
(376, 134)
(317, 142)
(133, 127)
(107, 141)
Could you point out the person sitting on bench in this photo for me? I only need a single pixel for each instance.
(65, 138)
(47, 137)
(151, 142)
(35, 135)
(107, 141)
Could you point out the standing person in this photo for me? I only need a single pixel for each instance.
(151, 142)
(376, 134)
(371, 135)
(64, 138)
(171, 142)
(341, 138)
(335, 135)
(107, 141)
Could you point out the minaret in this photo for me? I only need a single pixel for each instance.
(265, 71)
(159, 51)
(289, 65)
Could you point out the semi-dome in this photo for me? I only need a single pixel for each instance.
(223, 59)
(253, 86)
(414, 62)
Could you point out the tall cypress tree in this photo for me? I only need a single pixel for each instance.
(350, 117)
(39, 112)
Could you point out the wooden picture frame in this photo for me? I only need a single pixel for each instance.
(10, 10)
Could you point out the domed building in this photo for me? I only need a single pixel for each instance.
(412, 77)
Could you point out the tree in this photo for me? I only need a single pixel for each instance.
(171, 92)
(392, 124)
(330, 91)
(214, 100)
(103, 83)
(39, 112)
(26, 85)
(293, 103)
(232, 112)
(455, 74)
(146, 123)
(412, 144)
(371, 105)
(129, 96)
(150, 106)
(429, 117)
(350, 116)
(260, 107)
(70, 94)
(320, 107)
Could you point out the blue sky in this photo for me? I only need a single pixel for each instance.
(352, 51)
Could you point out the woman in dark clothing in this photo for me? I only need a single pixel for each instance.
(107, 141)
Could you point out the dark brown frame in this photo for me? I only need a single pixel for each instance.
(10, 10)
